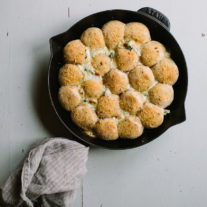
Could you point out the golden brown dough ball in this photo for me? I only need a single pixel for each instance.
(141, 78)
(137, 31)
(108, 106)
(113, 32)
(69, 97)
(130, 127)
(151, 115)
(93, 88)
(93, 38)
(161, 95)
(116, 81)
(166, 71)
(101, 63)
(131, 101)
(152, 52)
(126, 59)
(107, 129)
(84, 117)
(70, 75)
(75, 52)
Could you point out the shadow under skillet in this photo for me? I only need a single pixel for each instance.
(43, 106)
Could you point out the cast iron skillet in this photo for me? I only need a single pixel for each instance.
(159, 27)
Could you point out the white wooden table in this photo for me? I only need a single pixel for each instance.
(170, 171)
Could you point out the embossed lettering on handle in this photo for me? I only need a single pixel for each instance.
(157, 15)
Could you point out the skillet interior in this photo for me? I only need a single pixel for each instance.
(159, 33)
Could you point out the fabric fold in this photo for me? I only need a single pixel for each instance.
(49, 176)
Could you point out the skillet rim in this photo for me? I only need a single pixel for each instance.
(182, 101)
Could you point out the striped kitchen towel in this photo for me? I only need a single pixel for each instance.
(48, 177)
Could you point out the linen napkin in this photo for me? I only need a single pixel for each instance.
(48, 177)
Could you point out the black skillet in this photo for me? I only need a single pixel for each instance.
(159, 27)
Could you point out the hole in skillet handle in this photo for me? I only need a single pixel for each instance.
(156, 15)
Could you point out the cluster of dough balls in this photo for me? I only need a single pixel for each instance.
(137, 70)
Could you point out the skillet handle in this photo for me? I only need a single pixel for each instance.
(156, 15)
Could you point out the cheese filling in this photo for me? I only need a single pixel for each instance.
(90, 73)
